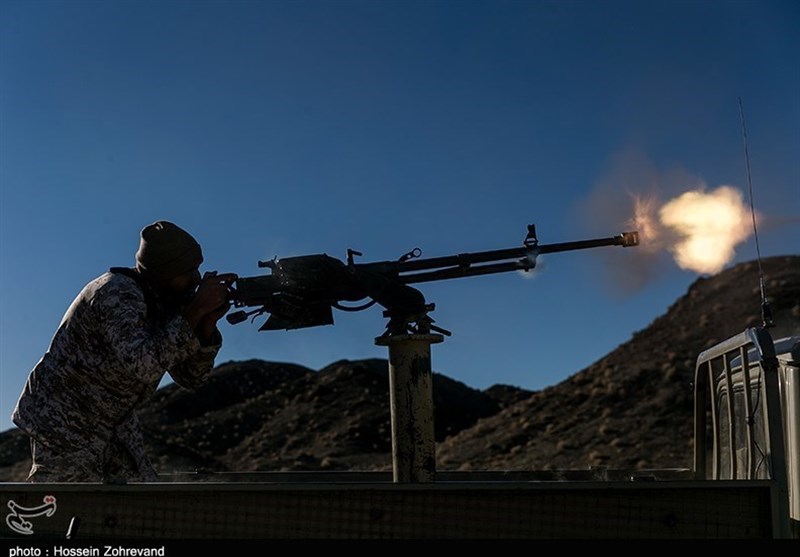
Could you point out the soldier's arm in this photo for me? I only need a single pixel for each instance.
(195, 370)
(145, 350)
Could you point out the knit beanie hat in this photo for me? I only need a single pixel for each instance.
(167, 251)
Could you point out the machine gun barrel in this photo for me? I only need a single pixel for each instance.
(499, 261)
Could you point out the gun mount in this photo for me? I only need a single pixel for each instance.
(303, 291)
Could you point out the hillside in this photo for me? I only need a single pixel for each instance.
(632, 408)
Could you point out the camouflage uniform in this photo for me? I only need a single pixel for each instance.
(109, 354)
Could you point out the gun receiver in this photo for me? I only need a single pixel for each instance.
(302, 291)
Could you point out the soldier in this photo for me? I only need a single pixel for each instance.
(124, 330)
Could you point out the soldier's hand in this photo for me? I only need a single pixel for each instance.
(210, 302)
(207, 326)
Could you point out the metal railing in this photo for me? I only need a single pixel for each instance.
(737, 387)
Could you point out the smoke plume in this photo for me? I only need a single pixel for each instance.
(681, 221)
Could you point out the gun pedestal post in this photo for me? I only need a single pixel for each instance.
(411, 400)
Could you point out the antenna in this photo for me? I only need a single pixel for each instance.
(766, 312)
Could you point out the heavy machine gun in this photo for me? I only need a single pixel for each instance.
(303, 291)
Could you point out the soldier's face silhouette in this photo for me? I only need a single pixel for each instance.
(179, 290)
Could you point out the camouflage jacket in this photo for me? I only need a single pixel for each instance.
(109, 354)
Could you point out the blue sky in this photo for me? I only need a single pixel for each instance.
(290, 128)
